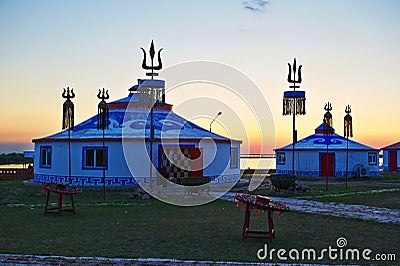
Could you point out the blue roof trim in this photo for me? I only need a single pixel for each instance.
(319, 141)
(294, 94)
(166, 124)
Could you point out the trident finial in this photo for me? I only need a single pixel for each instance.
(328, 107)
(152, 67)
(103, 95)
(348, 109)
(293, 79)
(67, 94)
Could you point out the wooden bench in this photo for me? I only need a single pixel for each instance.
(61, 190)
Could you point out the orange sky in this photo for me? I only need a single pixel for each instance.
(348, 49)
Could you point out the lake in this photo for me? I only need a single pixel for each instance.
(19, 166)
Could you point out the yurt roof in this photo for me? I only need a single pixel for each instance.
(129, 123)
(318, 141)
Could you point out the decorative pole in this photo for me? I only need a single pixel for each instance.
(294, 102)
(68, 122)
(152, 67)
(348, 132)
(102, 123)
(327, 132)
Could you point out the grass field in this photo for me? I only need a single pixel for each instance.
(148, 228)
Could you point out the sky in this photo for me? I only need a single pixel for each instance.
(348, 49)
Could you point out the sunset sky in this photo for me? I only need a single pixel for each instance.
(349, 50)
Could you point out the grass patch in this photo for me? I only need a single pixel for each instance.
(383, 200)
(150, 228)
(154, 229)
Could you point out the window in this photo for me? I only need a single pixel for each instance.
(94, 158)
(45, 156)
(372, 158)
(281, 157)
(234, 158)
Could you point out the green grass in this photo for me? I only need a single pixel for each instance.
(383, 200)
(149, 228)
(154, 229)
(320, 190)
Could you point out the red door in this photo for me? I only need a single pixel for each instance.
(196, 165)
(393, 161)
(326, 162)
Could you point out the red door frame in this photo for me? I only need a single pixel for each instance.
(196, 159)
(324, 168)
(392, 160)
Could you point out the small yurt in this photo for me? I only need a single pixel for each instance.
(325, 153)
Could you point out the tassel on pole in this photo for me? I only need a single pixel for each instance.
(68, 109)
(348, 123)
(102, 110)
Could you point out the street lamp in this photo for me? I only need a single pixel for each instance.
(219, 113)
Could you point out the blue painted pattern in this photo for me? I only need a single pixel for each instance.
(118, 181)
(87, 181)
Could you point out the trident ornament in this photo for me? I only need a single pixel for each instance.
(348, 109)
(328, 115)
(294, 80)
(67, 94)
(152, 67)
(103, 95)
(328, 107)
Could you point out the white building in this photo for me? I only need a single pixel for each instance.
(180, 148)
(311, 159)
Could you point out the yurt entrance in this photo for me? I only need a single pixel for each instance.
(392, 160)
(326, 162)
(179, 162)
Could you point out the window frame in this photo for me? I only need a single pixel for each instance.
(94, 159)
(48, 156)
(234, 164)
(372, 155)
(280, 155)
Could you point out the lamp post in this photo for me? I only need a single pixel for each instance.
(102, 123)
(294, 102)
(219, 113)
(348, 132)
(68, 122)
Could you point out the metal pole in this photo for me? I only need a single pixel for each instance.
(219, 113)
(104, 168)
(327, 158)
(347, 160)
(294, 134)
(69, 152)
(151, 146)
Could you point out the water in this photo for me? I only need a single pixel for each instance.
(14, 166)
(257, 163)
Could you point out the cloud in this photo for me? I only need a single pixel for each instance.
(256, 6)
